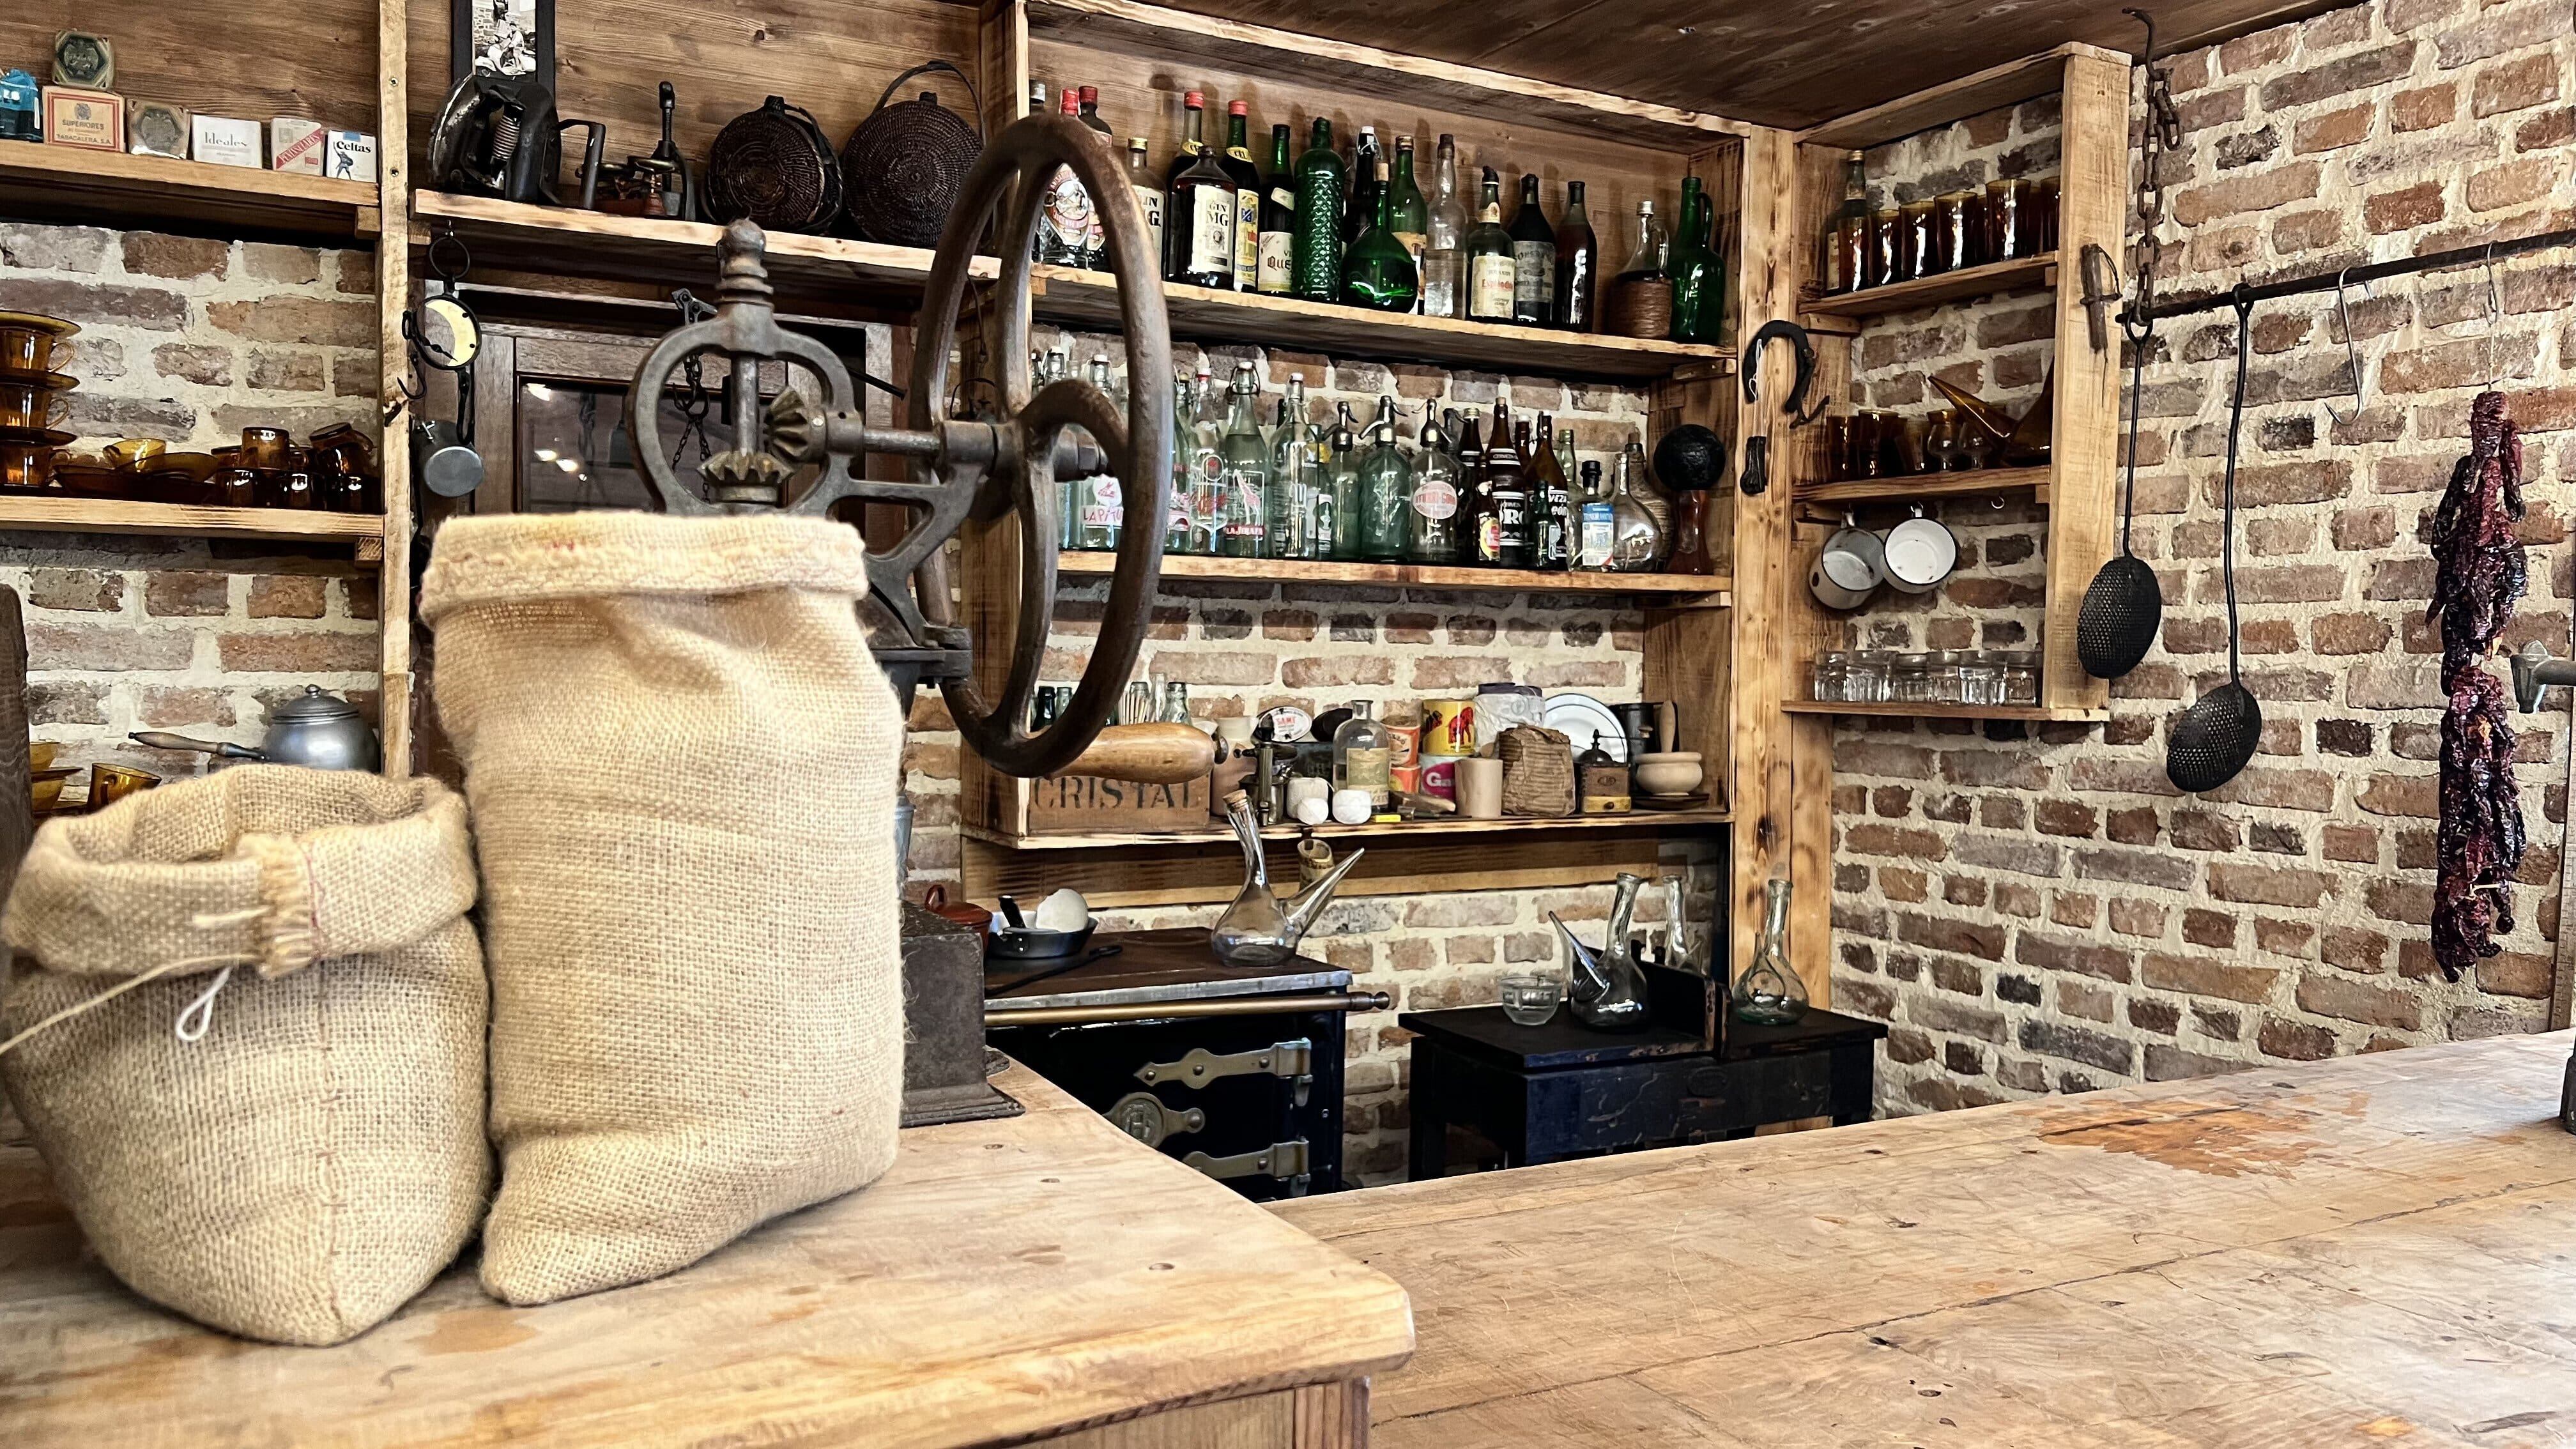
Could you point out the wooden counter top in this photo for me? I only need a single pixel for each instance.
(2377, 1250)
(1008, 1279)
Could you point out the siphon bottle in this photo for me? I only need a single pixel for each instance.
(1201, 214)
(1533, 260)
(1243, 479)
(1176, 525)
(1507, 483)
(1317, 249)
(1237, 162)
(1378, 273)
(1444, 239)
(1102, 509)
(1368, 181)
(1342, 483)
(1592, 543)
(1149, 194)
(1578, 263)
(1296, 474)
(1386, 489)
(1431, 518)
(1206, 432)
(1276, 243)
(1490, 269)
(1551, 505)
(1408, 215)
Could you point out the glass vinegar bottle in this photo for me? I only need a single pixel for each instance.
(1769, 993)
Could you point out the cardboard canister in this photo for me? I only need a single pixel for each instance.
(1448, 728)
(1440, 776)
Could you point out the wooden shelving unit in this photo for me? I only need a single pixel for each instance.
(71, 184)
(1982, 483)
(121, 515)
(2019, 274)
(1419, 830)
(1704, 590)
(2034, 712)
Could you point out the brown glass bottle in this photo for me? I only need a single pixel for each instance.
(1578, 263)
(1475, 501)
(1507, 480)
(1551, 503)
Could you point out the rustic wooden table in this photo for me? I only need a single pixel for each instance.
(1035, 1277)
(2377, 1250)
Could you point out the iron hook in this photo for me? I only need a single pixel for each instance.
(2351, 350)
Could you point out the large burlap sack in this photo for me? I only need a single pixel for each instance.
(315, 1154)
(681, 761)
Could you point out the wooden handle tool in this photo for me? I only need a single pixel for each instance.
(1147, 754)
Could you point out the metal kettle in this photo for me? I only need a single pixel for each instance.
(318, 729)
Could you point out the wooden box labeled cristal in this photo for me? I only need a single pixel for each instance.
(1087, 804)
(90, 120)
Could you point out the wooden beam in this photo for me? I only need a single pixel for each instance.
(393, 454)
(1967, 96)
(2083, 489)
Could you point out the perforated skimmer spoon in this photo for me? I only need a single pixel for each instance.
(2123, 607)
(2215, 738)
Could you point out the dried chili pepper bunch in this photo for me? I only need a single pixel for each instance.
(2480, 574)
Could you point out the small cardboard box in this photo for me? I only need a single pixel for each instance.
(90, 120)
(222, 141)
(295, 146)
(349, 155)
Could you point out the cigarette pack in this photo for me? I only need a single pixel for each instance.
(295, 145)
(222, 141)
(91, 120)
(349, 155)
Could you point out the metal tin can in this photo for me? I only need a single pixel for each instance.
(1439, 776)
(1448, 727)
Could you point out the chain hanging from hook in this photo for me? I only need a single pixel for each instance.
(2164, 134)
(695, 402)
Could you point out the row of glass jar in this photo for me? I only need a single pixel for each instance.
(1940, 676)
(2009, 218)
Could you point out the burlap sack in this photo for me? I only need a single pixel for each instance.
(682, 761)
(314, 1158)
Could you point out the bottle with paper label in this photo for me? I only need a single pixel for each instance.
(1247, 196)
(1149, 194)
(1490, 271)
(1202, 213)
(1274, 264)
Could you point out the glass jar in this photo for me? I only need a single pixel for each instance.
(2004, 198)
(1869, 677)
(1832, 677)
(1981, 679)
(1943, 676)
(1914, 242)
(1883, 227)
(2020, 676)
(1909, 679)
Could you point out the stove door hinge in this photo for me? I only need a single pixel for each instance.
(1291, 1061)
(1142, 1116)
(1285, 1161)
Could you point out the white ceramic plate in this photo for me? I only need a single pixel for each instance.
(1577, 716)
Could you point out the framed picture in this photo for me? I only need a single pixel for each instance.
(506, 37)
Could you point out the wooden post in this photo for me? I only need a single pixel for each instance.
(393, 299)
(2083, 490)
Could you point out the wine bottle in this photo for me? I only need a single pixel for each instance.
(1408, 216)
(1592, 551)
(1276, 245)
(1379, 273)
(1318, 245)
(1551, 504)
(1202, 213)
(1697, 287)
(1489, 258)
(1366, 181)
(1578, 264)
(1533, 260)
(1507, 480)
(1431, 523)
(1064, 216)
(1243, 479)
(1844, 264)
(1237, 162)
(1095, 250)
(1444, 258)
(1149, 194)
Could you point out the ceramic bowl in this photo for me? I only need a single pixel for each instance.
(1676, 772)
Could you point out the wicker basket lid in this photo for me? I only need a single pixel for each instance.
(903, 165)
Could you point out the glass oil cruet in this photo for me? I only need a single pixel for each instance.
(1259, 929)
(1769, 993)
(1609, 991)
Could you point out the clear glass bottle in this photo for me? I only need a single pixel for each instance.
(1149, 193)
(1176, 703)
(1565, 454)
(1595, 533)
(1636, 540)
(1444, 257)
(1609, 991)
(1769, 993)
(1652, 498)
(1207, 467)
(1101, 506)
(1386, 490)
(1343, 488)
(1243, 478)
(1296, 474)
(1363, 748)
(1176, 527)
(1431, 522)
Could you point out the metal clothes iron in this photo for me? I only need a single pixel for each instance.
(498, 135)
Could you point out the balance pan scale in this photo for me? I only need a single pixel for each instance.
(957, 470)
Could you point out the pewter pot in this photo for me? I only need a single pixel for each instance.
(317, 729)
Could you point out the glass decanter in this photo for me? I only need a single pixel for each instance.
(1609, 990)
(1260, 929)
(1769, 993)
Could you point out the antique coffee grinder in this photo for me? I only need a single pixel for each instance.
(800, 454)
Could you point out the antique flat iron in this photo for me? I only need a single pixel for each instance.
(797, 454)
(498, 135)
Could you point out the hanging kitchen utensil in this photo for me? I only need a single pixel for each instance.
(1850, 567)
(773, 166)
(2123, 606)
(2215, 738)
(1919, 553)
(446, 334)
(902, 166)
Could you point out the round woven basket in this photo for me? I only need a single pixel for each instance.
(774, 166)
(904, 163)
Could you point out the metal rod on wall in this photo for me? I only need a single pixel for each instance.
(2367, 272)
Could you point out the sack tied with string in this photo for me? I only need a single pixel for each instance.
(248, 1022)
(681, 760)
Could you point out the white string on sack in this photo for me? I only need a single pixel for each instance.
(202, 1009)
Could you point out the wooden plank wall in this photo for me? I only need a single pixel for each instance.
(315, 59)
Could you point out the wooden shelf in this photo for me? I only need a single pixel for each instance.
(1421, 831)
(125, 515)
(1698, 588)
(2032, 712)
(2019, 274)
(1981, 483)
(1969, 95)
(510, 236)
(67, 183)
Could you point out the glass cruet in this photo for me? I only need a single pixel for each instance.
(1609, 990)
(1769, 993)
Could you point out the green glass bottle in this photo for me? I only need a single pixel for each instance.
(1243, 478)
(1318, 241)
(1273, 265)
(1342, 485)
(1379, 273)
(1408, 214)
(1699, 292)
(1386, 490)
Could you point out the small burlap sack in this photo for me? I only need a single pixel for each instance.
(1538, 771)
(682, 762)
(310, 1152)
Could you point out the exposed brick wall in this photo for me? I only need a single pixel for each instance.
(1244, 648)
(189, 341)
(2036, 910)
